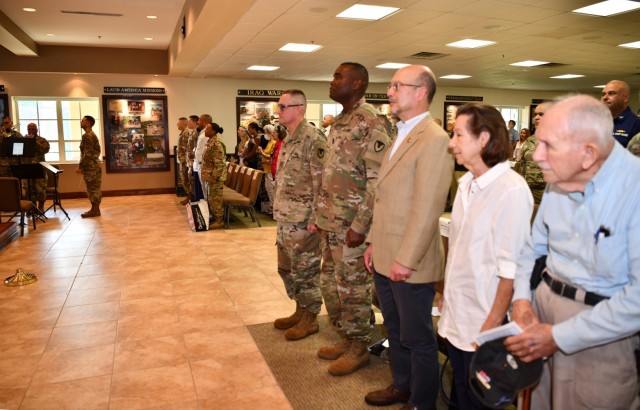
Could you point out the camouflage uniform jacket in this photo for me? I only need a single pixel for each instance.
(299, 174)
(530, 169)
(89, 151)
(183, 146)
(191, 144)
(355, 147)
(214, 167)
(12, 134)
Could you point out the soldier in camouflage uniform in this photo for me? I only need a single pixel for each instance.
(192, 125)
(356, 145)
(529, 168)
(90, 166)
(298, 180)
(183, 163)
(7, 131)
(42, 147)
(214, 172)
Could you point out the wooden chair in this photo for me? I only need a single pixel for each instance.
(10, 202)
(247, 201)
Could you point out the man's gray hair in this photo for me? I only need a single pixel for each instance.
(589, 120)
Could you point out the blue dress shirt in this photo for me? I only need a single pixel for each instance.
(592, 240)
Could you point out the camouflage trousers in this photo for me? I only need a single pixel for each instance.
(186, 179)
(346, 286)
(214, 198)
(93, 180)
(299, 264)
(38, 188)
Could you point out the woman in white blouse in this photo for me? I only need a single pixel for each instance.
(489, 225)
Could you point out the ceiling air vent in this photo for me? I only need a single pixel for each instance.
(551, 65)
(91, 13)
(426, 55)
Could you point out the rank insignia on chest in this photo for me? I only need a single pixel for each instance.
(378, 146)
(320, 152)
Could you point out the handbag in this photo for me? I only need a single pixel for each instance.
(198, 215)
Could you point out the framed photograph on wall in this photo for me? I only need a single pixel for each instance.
(4, 105)
(135, 133)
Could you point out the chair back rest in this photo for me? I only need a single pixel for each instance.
(255, 186)
(240, 178)
(231, 168)
(10, 197)
(246, 185)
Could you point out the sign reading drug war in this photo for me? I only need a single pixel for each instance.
(134, 90)
(260, 93)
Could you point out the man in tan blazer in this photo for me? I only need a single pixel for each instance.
(405, 250)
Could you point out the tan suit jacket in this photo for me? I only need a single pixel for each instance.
(409, 199)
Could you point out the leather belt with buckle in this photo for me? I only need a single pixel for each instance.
(568, 291)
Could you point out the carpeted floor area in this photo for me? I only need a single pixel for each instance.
(304, 378)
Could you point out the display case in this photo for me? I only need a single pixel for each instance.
(135, 133)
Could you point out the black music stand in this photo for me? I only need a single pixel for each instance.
(30, 172)
(56, 195)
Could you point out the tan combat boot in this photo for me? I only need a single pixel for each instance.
(356, 357)
(335, 351)
(94, 211)
(216, 225)
(307, 325)
(288, 322)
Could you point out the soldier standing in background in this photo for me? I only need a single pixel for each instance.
(355, 148)
(9, 132)
(192, 125)
(183, 142)
(42, 147)
(90, 166)
(298, 180)
(214, 172)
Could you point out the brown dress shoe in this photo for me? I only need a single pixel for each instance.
(387, 397)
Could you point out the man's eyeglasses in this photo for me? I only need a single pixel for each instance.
(283, 106)
(396, 86)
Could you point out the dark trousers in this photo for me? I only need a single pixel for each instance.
(197, 187)
(460, 362)
(406, 309)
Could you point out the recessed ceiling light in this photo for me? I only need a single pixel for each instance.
(608, 8)
(599, 86)
(635, 44)
(529, 63)
(365, 12)
(152, 17)
(50, 35)
(567, 76)
(263, 68)
(148, 38)
(455, 76)
(300, 48)
(471, 43)
(29, 9)
(393, 66)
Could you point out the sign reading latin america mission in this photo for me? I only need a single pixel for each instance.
(134, 90)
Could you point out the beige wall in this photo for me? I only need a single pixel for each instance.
(215, 96)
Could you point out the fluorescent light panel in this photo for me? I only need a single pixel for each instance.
(567, 76)
(529, 63)
(599, 86)
(300, 48)
(471, 43)
(29, 9)
(635, 44)
(608, 8)
(365, 12)
(455, 76)
(392, 66)
(263, 68)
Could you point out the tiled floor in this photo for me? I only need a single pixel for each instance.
(133, 310)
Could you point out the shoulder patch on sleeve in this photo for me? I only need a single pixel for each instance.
(321, 153)
(378, 146)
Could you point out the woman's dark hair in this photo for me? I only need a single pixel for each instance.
(282, 131)
(527, 132)
(218, 129)
(485, 117)
(255, 126)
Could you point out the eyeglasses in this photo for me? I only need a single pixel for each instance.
(283, 106)
(396, 86)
